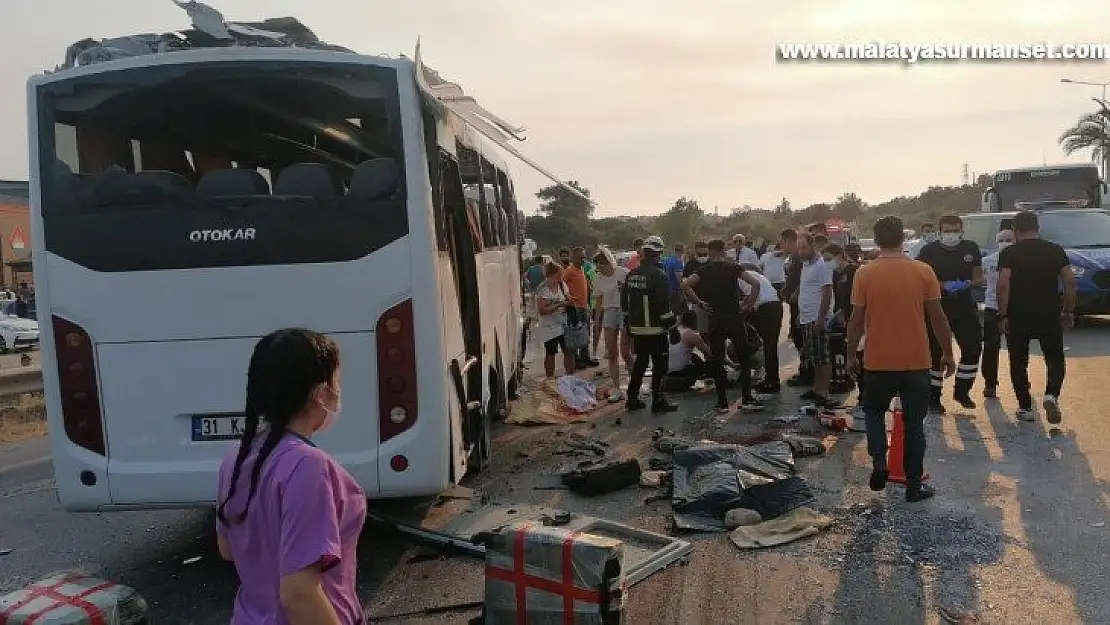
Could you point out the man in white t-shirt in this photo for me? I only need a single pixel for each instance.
(767, 320)
(740, 252)
(773, 266)
(992, 338)
(928, 235)
(815, 303)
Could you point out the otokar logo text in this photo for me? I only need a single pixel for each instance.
(223, 234)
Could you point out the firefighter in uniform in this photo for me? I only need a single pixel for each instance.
(958, 265)
(646, 302)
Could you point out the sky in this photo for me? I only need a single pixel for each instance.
(647, 101)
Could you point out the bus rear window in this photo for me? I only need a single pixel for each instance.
(221, 164)
(182, 135)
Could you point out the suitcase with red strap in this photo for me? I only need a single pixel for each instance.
(73, 598)
(537, 575)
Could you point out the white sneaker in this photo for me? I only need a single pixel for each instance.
(1026, 414)
(1052, 409)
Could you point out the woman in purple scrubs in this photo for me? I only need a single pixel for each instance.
(289, 515)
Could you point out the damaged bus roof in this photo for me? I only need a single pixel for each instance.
(212, 38)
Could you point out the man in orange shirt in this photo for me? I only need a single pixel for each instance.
(578, 292)
(892, 297)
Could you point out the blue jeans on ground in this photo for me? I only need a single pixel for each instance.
(880, 387)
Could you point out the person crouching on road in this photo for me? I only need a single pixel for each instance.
(646, 302)
(892, 297)
(958, 265)
(608, 284)
(815, 301)
(552, 302)
(992, 338)
(289, 515)
(684, 367)
(720, 297)
(767, 321)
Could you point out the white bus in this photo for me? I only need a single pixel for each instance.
(186, 203)
(1075, 185)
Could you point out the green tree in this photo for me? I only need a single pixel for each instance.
(682, 223)
(1090, 132)
(848, 207)
(557, 201)
(814, 213)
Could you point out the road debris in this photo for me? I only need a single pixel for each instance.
(192, 560)
(794, 525)
(538, 574)
(711, 480)
(741, 516)
(444, 609)
(957, 616)
(74, 597)
(602, 477)
(652, 479)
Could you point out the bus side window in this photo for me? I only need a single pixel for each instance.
(502, 209)
(508, 205)
(435, 156)
(489, 202)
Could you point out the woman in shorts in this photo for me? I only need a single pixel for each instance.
(551, 304)
(608, 284)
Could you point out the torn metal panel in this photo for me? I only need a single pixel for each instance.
(448, 98)
(210, 30)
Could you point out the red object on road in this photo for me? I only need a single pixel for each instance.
(72, 597)
(536, 573)
(896, 452)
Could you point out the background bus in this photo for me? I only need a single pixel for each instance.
(1056, 186)
(178, 199)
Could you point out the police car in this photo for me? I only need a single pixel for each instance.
(1083, 233)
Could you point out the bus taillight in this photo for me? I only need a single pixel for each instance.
(77, 383)
(396, 371)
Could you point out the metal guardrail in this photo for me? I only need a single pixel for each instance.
(17, 382)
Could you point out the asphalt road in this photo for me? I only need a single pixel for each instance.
(1018, 532)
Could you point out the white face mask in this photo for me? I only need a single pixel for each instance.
(950, 239)
(1004, 244)
(703, 259)
(331, 415)
(929, 237)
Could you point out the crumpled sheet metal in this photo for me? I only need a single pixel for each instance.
(209, 30)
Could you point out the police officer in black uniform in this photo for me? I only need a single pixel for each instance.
(646, 302)
(959, 267)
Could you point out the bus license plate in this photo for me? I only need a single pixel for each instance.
(218, 428)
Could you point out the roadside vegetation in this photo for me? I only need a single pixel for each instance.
(22, 417)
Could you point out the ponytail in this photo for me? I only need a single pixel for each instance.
(244, 450)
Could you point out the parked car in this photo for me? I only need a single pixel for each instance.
(17, 333)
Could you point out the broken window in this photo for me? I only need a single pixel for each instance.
(193, 133)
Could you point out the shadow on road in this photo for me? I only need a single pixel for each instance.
(204, 591)
(1063, 509)
(903, 558)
